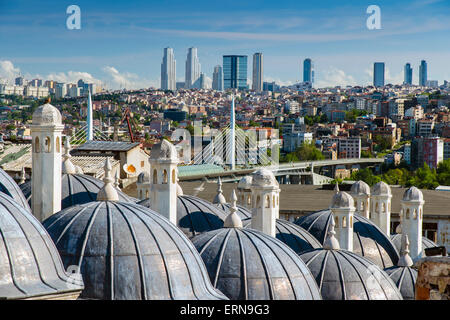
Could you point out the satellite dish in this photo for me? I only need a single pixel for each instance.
(129, 169)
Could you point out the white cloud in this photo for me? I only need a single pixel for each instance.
(277, 81)
(127, 80)
(8, 71)
(334, 77)
(72, 77)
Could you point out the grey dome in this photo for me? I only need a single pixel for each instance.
(195, 215)
(143, 177)
(368, 239)
(245, 183)
(397, 241)
(30, 265)
(263, 178)
(46, 115)
(126, 251)
(360, 188)
(381, 189)
(342, 199)
(344, 275)
(77, 189)
(413, 194)
(405, 280)
(164, 150)
(246, 264)
(295, 237)
(243, 212)
(9, 187)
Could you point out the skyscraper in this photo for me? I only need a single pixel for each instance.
(257, 83)
(235, 72)
(408, 74)
(378, 74)
(308, 71)
(423, 73)
(192, 69)
(168, 70)
(217, 83)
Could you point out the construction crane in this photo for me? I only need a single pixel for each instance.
(127, 115)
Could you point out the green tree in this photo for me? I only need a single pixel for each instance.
(424, 178)
(443, 173)
(307, 151)
(365, 175)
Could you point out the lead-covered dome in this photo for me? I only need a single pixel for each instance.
(245, 183)
(360, 188)
(368, 239)
(195, 215)
(46, 115)
(30, 266)
(246, 264)
(381, 189)
(9, 187)
(342, 199)
(413, 194)
(344, 275)
(263, 178)
(397, 241)
(243, 212)
(405, 279)
(295, 237)
(164, 150)
(126, 251)
(77, 189)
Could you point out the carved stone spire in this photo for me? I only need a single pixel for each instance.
(233, 220)
(336, 188)
(67, 165)
(219, 198)
(405, 260)
(117, 179)
(331, 243)
(108, 192)
(23, 176)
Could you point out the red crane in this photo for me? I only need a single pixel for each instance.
(127, 115)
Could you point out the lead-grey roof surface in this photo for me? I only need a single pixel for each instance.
(246, 264)
(368, 240)
(297, 238)
(397, 241)
(77, 189)
(106, 146)
(195, 215)
(344, 275)
(243, 212)
(405, 279)
(127, 251)
(30, 265)
(9, 187)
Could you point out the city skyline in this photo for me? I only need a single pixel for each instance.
(342, 48)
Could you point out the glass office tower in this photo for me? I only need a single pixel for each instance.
(408, 74)
(235, 72)
(378, 74)
(423, 73)
(308, 71)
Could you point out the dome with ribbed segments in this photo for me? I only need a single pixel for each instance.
(46, 115)
(30, 266)
(405, 279)
(397, 241)
(246, 264)
(143, 177)
(360, 188)
(245, 183)
(195, 215)
(297, 238)
(126, 251)
(342, 199)
(9, 187)
(344, 275)
(77, 189)
(164, 150)
(413, 194)
(381, 189)
(368, 239)
(243, 212)
(263, 178)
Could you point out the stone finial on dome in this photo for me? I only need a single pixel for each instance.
(46, 115)
(67, 166)
(405, 259)
(23, 176)
(219, 198)
(108, 192)
(117, 179)
(336, 188)
(233, 220)
(398, 229)
(245, 183)
(331, 243)
(164, 150)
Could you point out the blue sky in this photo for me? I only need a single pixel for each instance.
(121, 43)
